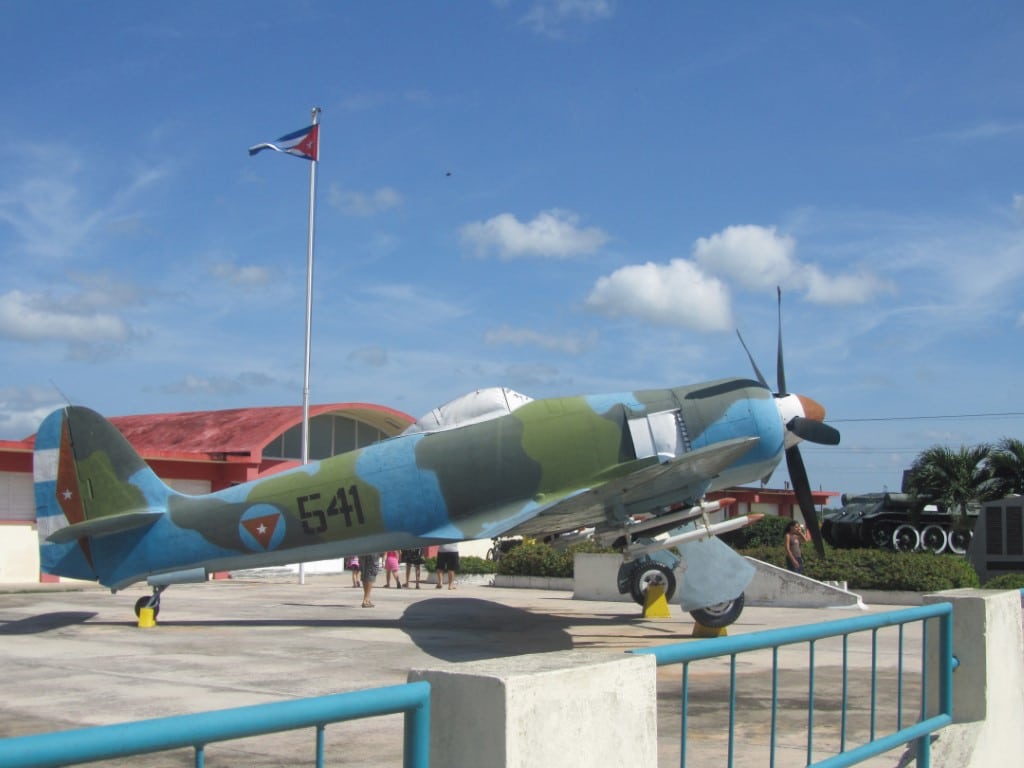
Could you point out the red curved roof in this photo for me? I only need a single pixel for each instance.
(239, 430)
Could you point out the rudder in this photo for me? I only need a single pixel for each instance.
(85, 470)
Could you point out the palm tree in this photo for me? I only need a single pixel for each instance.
(951, 478)
(1006, 464)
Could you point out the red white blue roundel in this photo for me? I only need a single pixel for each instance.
(261, 527)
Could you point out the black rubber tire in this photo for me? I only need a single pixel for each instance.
(647, 573)
(143, 602)
(720, 615)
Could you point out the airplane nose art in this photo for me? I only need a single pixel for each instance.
(812, 408)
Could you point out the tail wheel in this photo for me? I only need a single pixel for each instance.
(906, 538)
(144, 602)
(933, 538)
(648, 573)
(959, 541)
(719, 615)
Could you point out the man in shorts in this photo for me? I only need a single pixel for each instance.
(448, 562)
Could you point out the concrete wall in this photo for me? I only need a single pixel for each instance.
(19, 553)
(566, 709)
(988, 684)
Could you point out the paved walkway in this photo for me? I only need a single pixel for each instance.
(77, 658)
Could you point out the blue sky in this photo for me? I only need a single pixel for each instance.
(558, 196)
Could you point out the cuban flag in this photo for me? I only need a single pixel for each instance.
(303, 143)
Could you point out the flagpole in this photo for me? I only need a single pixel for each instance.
(309, 313)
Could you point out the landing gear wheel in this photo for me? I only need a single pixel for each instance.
(881, 535)
(143, 602)
(906, 538)
(648, 573)
(933, 538)
(721, 614)
(959, 541)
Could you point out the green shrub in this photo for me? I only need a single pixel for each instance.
(473, 564)
(536, 559)
(533, 559)
(878, 568)
(766, 532)
(1006, 581)
(468, 564)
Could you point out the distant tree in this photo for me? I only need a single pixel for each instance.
(951, 478)
(1006, 465)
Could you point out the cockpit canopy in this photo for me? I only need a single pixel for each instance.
(480, 405)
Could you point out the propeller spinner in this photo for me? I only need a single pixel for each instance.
(804, 419)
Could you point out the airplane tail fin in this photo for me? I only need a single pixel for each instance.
(89, 483)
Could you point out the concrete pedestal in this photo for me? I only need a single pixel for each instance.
(569, 708)
(988, 697)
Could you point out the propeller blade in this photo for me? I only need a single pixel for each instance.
(781, 368)
(760, 377)
(802, 488)
(813, 431)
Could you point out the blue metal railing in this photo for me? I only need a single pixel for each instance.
(686, 653)
(198, 730)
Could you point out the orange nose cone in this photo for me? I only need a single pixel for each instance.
(812, 408)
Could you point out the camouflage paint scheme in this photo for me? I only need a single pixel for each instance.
(547, 467)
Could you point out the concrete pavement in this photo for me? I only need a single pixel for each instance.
(77, 658)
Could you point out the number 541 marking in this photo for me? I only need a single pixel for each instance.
(344, 502)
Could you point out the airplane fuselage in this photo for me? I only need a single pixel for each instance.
(470, 482)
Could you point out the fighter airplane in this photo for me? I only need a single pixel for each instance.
(632, 465)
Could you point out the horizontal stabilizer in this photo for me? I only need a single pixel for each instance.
(104, 526)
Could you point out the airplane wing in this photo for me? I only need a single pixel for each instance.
(643, 488)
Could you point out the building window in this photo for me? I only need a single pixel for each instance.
(329, 435)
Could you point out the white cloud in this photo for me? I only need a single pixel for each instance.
(22, 409)
(353, 203)
(676, 294)
(241, 275)
(408, 302)
(755, 257)
(842, 289)
(36, 318)
(547, 17)
(49, 208)
(554, 233)
(245, 381)
(1018, 205)
(983, 131)
(759, 258)
(570, 344)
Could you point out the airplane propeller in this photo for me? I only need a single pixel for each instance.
(810, 427)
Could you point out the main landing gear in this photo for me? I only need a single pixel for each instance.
(638, 576)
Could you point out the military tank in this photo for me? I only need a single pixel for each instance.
(887, 521)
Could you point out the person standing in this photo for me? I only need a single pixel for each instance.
(412, 557)
(794, 535)
(448, 562)
(352, 564)
(391, 567)
(368, 571)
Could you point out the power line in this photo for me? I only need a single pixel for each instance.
(1001, 415)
